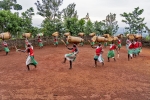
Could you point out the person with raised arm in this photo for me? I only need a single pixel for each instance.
(98, 54)
(71, 56)
(30, 59)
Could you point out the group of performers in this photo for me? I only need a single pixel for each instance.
(134, 47)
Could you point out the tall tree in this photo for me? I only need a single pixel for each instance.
(81, 25)
(17, 7)
(10, 4)
(89, 28)
(99, 27)
(133, 19)
(111, 24)
(70, 11)
(49, 8)
(51, 26)
(71, 25)
(10, 22)
(27, 19)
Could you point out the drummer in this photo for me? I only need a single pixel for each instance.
(71, 56)
(5, 45)
(56, 41)
(98, 55)
(40, 42)
(30, 59)
(111, 53)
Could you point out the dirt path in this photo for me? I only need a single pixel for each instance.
(52, 80)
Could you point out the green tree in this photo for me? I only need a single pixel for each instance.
(49, 8)
(10, 4)
(99, 27)
(17, 7)
(71, 25)
(89, 28)
(70, 11)
(133, 19)
(10, 22)
(81, 25)
(51, 26)
(27, 19)
(111, 24)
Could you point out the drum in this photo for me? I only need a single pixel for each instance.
(26, 35)
(5, 36)
(55, 34)
(92, 34)
(72, 39)
(81, 34)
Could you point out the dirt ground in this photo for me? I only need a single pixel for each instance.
(52, 80)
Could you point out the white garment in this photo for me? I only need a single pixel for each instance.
(28, 60)
(100, 59)
(128, 42)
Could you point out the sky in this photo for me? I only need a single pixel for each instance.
(97, 9)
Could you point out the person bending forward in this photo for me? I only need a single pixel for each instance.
(71, 56)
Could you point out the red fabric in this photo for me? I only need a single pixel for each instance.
(5, 44)
(73, 50)
(119, 41)
(98, 51)
(31, 52)
(136, 45)
(140, 44)
(112, 47)
(39, 40)
(131, 46)
(55, 40)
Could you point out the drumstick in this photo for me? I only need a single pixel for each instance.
(63, 42)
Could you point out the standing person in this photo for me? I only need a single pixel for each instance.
(30, 59)
(56, 41)
(40, 42)
(98, 54)
(111, 53)
(119, 43)
(127, 43)
(71, 56)
(130, 50)
(5, 45)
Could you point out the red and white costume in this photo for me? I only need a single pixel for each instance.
(31, 53)
(39, 40)
(119, 41)
(98, 52)
(4, 44)
(127, 43)
(112, 47)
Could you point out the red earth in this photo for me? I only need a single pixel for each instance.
(52, 80)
